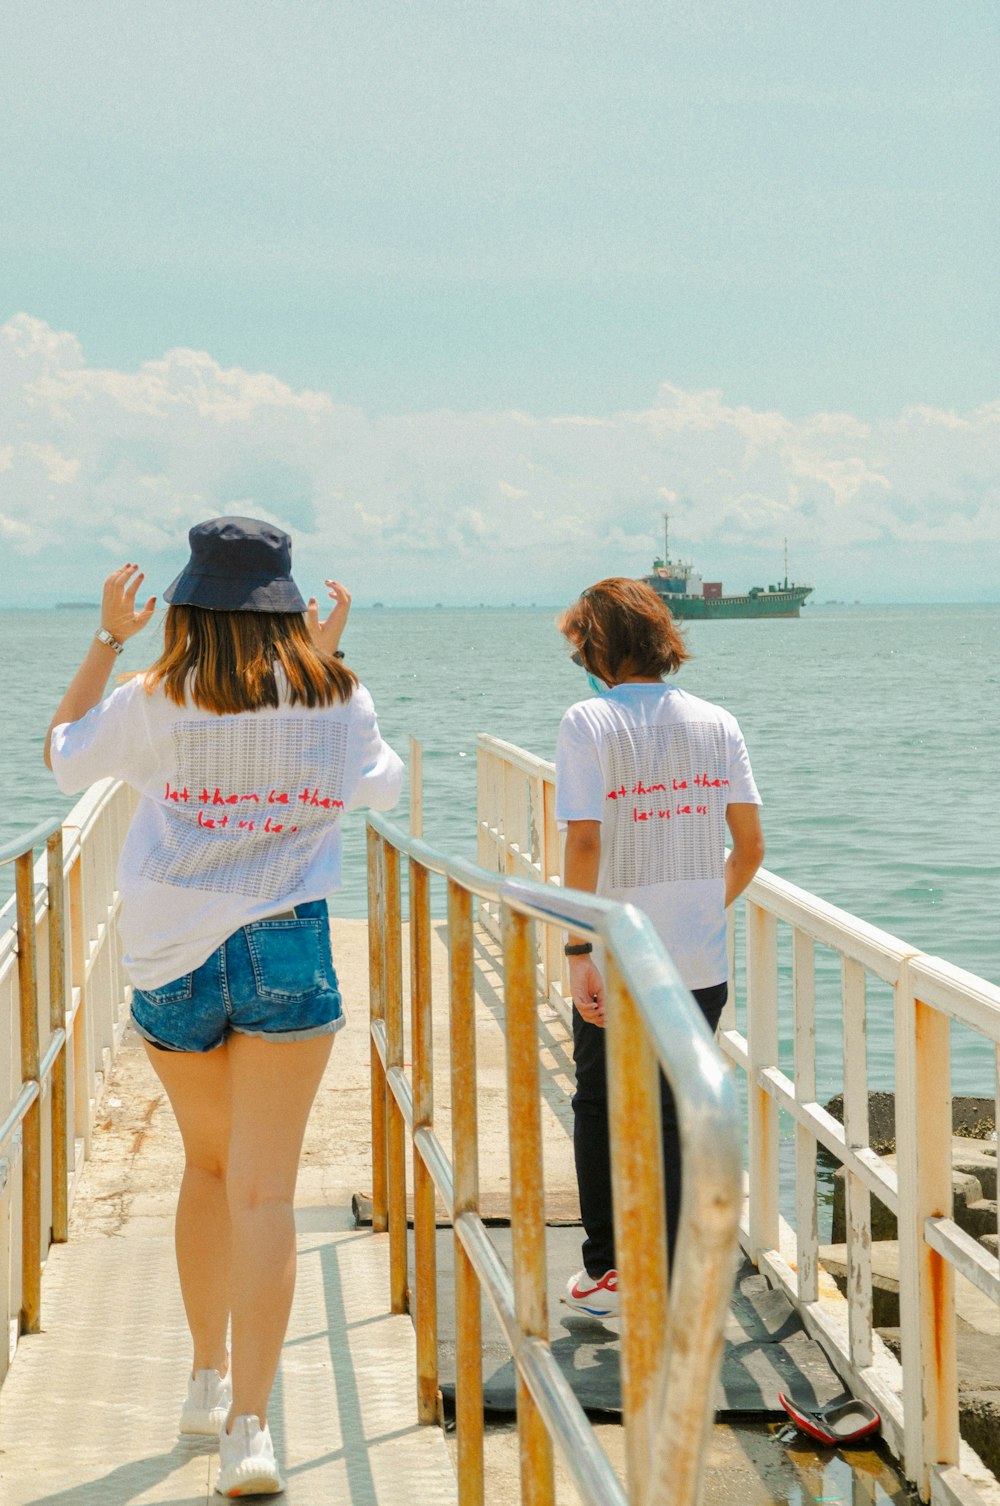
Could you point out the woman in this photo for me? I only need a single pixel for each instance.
(648, 777)
(246, 741)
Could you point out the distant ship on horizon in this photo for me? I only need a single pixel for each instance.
(691, 598)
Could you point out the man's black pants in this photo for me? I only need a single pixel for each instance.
(590, 1137)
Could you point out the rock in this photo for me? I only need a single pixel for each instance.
(881, 1119)
(972, 1118)
(979, 1425)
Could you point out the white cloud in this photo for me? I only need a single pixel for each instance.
(97, 465)
(10, 528)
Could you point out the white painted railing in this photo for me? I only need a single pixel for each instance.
(917, 1398)
(517, 837)
(62, 1011)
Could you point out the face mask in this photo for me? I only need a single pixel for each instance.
(596, 685)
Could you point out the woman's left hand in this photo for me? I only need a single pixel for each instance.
(118, 614)
(326, 635)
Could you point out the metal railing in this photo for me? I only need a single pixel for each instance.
(917, 1398)
(61, 1009)
(671, 1349)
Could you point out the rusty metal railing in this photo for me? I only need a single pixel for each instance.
(60, 1002)
(671, 1349)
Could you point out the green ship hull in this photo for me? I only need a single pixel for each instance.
(692, 599)
(762, 603)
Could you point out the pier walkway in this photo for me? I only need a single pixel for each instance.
(450, 1105)
(88, 1410)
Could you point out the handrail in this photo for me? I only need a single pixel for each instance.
(34, 837)
(917, 1398)
(59, 974)
(669, 1366)
(22, 1103)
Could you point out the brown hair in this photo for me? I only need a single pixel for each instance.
(225, 661)
(622, 627)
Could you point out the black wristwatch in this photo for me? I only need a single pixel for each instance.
(578, 949)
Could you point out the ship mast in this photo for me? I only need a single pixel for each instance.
(666, 538)
(786, 561)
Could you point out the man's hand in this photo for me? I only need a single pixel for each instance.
(326, 635)
(118, 614)
(587, 988)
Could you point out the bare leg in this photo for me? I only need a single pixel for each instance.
(199, 1091)
(273, 1087)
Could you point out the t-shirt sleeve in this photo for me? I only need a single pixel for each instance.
(380, 769)
(111, 741)
(580, 791)
(742, 787)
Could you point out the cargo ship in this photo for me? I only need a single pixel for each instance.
(693, 599)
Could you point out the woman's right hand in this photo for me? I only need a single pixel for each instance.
(119, 618)
(118, 614)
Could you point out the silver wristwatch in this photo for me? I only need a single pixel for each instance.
(103, 636)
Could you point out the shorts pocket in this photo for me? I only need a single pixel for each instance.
(290, 958)
(176, 992)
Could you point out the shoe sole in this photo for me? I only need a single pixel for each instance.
(590, 1312)
(262, 1482)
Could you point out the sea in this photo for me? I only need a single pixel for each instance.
(873, 731)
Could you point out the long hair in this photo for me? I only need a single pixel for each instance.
(622, 627)
(225, 662)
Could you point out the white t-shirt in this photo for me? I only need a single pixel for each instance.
(658, 767)
(239, 816)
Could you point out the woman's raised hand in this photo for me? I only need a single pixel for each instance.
(119, 618)
(326, 635)
(118, 614)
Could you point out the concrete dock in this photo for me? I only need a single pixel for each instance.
(88, 1412)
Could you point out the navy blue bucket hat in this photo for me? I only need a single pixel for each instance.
(237, 565)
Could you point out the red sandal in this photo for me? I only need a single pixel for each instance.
(843, 1422)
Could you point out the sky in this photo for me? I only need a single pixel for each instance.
(466, 297)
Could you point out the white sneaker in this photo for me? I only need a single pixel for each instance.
(210, 1395)
(597, 1298)
(247, 1465)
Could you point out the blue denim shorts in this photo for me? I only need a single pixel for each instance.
(273, 979)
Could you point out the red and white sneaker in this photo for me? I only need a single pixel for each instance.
(596, 1297)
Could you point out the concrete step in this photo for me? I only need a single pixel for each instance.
(974, 1189)
(973, 1307)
